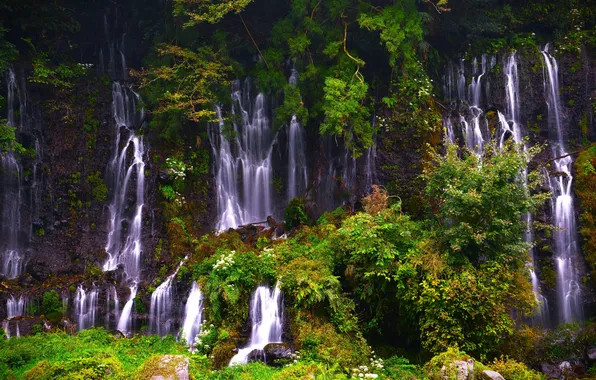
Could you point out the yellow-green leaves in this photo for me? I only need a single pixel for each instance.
(208, 11)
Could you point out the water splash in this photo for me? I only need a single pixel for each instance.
(266, 316)
(161, 317)
(192, 315)
(85, 307)
(125, 321)
(569, 295)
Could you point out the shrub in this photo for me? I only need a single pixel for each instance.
(514, 370)
(295, 214)
(51, 303)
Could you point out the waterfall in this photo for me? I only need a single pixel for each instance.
(112, 305)
(192, 315)
(125, 321)
(85, 306)
(242, 155)
(474, 128)
(125, 170)
(16, 307)
(510, 125)
(569, 299)
(161, 317)
(13, 258)
(266, 316)
(65, 301)
(297, 170)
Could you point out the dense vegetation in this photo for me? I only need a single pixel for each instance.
(390, 288)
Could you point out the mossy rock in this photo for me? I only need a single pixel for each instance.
(222, 354)
(164, 367)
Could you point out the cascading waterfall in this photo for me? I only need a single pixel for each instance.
(85, 307)
(297, 169)
(65, 301)
(124, 241)
(124, 244)
(125, 321)
(13, 258)
(266, 316)
(569, 298)
(192, 315)
(243, 160)
(510, 126)
(16, 307)
(474, 128)
(161, 318)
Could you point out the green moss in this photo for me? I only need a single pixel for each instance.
(585, 184)
(99, 190)
(548, 274)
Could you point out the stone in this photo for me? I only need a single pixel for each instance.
(170, 367)
(492, 375)
(464, 370)
(270, 353)
(550, 371)
(38, 270)
(591, 353)
(274, 351)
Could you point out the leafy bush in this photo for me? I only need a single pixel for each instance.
(514, 370)
(51, 302)
(295, 214)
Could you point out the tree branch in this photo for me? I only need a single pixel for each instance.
(253, 40)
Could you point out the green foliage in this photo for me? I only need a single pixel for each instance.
(76, 369)
(295, 214)
(8, 51)
(168, 192)
(62, 76)
(346, 114)
(400, 30)
(470, 189)
(400, 368)
(511, 369)
(586, 191)
(8, 140)
(291, 106)
(189, 82)
(434, 368)
(91, 354)
(51, 302)
(210, 12)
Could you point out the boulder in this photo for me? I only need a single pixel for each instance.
(550, 371)
(461, 369)
(270, 353)
(274, 351)
(492, 375)
(168, 367)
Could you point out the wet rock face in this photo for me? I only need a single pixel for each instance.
(271, 353)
